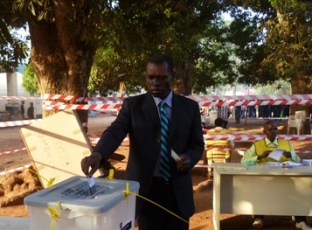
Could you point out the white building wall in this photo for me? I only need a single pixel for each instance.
(3, 84)
(17, 90)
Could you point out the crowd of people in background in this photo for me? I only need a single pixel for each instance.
(263, 111)
(240, 112)
(30, 111)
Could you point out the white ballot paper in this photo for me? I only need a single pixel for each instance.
(92, 186)
(174, 155)
(276, 154)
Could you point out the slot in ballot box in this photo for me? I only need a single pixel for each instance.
(76, 209)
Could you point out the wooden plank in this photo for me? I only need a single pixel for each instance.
(56, 145)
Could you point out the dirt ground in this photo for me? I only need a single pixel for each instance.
(15, 186)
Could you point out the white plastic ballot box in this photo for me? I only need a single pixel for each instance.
(76, 209)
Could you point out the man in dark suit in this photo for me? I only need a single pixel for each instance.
(140, 118)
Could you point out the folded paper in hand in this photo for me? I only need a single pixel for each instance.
(276, 154)
(92, 186)
(174, 155)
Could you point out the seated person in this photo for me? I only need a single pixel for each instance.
(220, 127)
(202, 116)
(259, 153)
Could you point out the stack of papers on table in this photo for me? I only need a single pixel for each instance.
(307, 162)
(288, 163)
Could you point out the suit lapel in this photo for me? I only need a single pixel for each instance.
(150, 110)
(176, 112)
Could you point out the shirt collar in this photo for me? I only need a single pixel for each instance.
(168, 99)
(268, 142)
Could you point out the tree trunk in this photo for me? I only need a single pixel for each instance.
(183, 82)
(62, 62)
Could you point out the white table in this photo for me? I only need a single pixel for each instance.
(261, 190)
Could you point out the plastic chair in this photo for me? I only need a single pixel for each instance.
(296, 121)
(217, 153)
(213, 115)
(301, 115)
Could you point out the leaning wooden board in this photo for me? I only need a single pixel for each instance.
(56, 145)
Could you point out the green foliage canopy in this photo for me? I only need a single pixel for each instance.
(30, 83)
(265, 40)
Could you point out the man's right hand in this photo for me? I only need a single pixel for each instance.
(265, 154)
(93, 161)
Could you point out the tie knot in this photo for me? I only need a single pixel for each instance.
(162, 104)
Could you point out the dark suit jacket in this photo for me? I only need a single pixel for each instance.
(139, 118)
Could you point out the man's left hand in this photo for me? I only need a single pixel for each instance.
(287, 154)
(184, 163)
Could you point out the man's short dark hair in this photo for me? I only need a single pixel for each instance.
(269, 122)
(162, 58)
(220, 122)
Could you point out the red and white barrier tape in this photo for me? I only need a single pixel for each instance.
(17, 123)
(302, 152)
(117, 105)
(17, 98)
(252, 97)
(244, 149)
(60, 103)
(106, 107)
(238, 137)
(15, 170)
(252, 103)
(203, 98)
(12, 151)
(63, 97)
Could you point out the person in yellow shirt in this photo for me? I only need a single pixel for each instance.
(260, 150)
(259, 153)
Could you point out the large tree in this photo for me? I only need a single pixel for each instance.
(63, 38)
(207, 51)
(286, 45)
(290, 53)
(138, 29)
(289, 45)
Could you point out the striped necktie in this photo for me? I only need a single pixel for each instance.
(164, 142)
